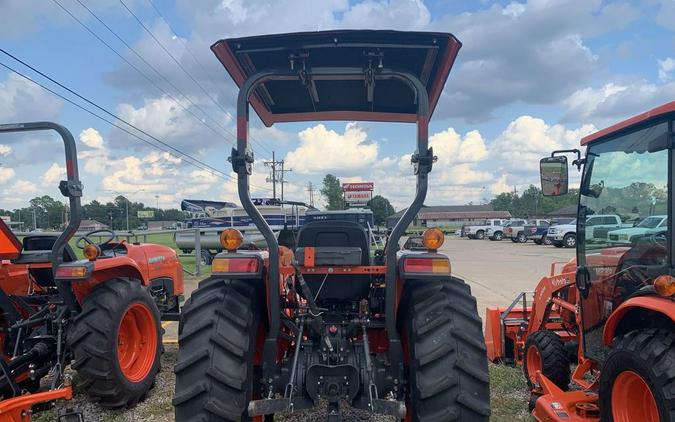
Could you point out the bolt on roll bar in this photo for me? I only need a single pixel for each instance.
(242, 162)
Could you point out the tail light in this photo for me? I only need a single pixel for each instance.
(236, 265)
(74, 272)
(426, 265)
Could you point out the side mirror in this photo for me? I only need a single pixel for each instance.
(554, 177)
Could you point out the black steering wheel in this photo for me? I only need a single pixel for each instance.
(84, 240)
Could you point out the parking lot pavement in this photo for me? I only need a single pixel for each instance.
(498, 271)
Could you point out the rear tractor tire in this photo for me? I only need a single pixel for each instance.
(447, 371)
(116, 342)
(546, 352)
(637, 381)
(214, 369)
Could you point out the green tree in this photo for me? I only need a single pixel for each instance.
(332, 191)
(381, 208)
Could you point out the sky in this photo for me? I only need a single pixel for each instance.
(531, 77)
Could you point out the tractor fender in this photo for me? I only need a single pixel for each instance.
(108, 269)
(651, 304)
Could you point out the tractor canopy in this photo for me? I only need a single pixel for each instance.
(317, 92)
(643, 118)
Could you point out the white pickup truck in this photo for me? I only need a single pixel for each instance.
(497, 232)
(479, 232)
(597, 227)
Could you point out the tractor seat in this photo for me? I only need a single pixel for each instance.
(334, 236)
(37, 248)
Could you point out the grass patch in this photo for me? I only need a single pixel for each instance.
(509, 394)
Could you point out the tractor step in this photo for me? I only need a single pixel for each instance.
(170, 316)
(268, 406)
(389, 407)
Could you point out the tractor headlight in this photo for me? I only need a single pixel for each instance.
(231, 239)
(665, 285)
(433, 238)
(91, 251)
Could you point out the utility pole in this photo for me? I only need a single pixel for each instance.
(282, 178)
(273, 172)
(310, 189)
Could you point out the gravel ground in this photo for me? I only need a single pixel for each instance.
(509, 401)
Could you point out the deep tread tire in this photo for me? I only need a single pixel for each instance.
(555, 360)
(649, 353)
(447, 372)
(214, 368)
(93, 340)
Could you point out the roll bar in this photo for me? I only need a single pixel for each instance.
(242, 162)
(71, 187)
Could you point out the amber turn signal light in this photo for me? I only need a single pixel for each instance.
(433, 238)
(231, 239)
(91, 251)
(665, 285)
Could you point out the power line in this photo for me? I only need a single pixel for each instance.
(152, 82)
(193, 161)
(178, 63)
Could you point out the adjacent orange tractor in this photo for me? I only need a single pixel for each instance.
(101, 314)
(620, 310)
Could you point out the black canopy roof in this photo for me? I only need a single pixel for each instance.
(316, 96)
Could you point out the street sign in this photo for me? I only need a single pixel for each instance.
(360, 186)
(146, 214)
(358, 197)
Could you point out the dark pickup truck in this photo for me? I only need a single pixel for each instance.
(538, 233)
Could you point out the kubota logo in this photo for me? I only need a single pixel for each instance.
(559, 281)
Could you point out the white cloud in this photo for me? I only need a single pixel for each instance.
(666, 68)
(5, 149)
(91, 138)
(527, 139)
(21, 101)
(53, 174)
(6, 173)
(26, 187)
(178, 126)
(323, 150)
(615, 101)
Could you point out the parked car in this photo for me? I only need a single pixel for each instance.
(516, 232)
(496, 233)
(563, 235)
(480, 231)
(539, 233)
(650, 225)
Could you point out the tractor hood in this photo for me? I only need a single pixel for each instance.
(315, 94)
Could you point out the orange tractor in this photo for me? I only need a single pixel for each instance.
(101, 314)
(616, 303)
(392, 332)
